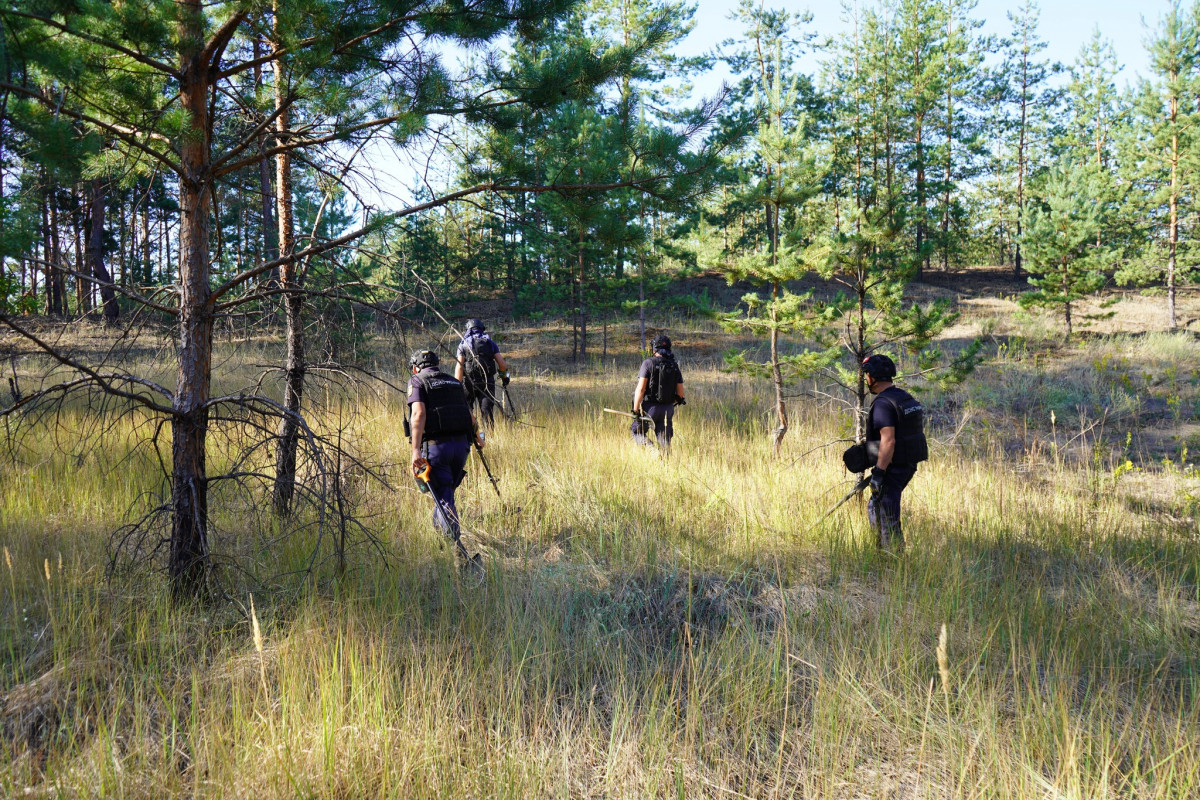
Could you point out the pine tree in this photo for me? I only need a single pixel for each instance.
(1165, 143)
(1025, 77)
(1093, 103)
(785, 173)
(148, 75)
(616, 166)
(921, 32)
(967, 85)
(1061, 229)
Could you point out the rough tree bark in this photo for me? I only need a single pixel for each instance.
(95, 253)
(293, 390)
(189, 426)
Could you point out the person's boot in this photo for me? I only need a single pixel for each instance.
(469, 566)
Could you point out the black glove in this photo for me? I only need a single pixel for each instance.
(877, 476)
(504, 379)
(680, 401)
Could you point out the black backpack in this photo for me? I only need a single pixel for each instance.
(481, 361)
(664, 378)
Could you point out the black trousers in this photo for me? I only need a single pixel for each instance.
(483, 396)
(663, 415)
(883, 509)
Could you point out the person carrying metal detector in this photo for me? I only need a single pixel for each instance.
(893, 446)
(479, 362)
(442, 430)
(658, 390)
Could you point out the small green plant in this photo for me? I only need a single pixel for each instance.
(1124, 468)
(12, 301)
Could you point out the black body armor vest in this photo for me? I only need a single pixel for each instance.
(446, 409)
(911, 446)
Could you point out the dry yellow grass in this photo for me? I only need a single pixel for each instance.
(648, 628)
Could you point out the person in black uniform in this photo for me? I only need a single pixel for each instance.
(479, 362)
(442, 430)
(659, 389)
(896, 421)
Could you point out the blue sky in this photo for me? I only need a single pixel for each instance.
(1065, 26)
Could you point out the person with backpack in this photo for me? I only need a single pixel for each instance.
(442, 430)
(659, 389)
(479, 362)
(895, 421)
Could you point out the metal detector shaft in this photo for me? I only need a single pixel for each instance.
(627, 414)
(487, 469)
(512, 410)
(858, 487)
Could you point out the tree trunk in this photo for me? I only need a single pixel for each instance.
(135, 245)
(642, 305)
(1173, 233)
(188, 565)
(147, 270)
(59, 285)
(922, 212)
(293, 302)
(776, 373)
(171, 271)
(122, 258)
(949, 166)
(582, 303)
(524, 243)
(860, 354)
(108, 295)
(270, 240)
(1021, 153)
(1066, 289)
(50, 258)
(574, 318)
(83, 287)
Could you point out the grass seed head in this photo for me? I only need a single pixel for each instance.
(944, 660)
(258, 642)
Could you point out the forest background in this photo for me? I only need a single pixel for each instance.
(223, 227)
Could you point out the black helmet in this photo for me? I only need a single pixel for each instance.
(879, 367)
(661, 342)
(475, 324)
(423, 358)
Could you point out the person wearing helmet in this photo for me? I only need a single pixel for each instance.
(479, 362)
(659, 389)
(896, 421)
(442, 429)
